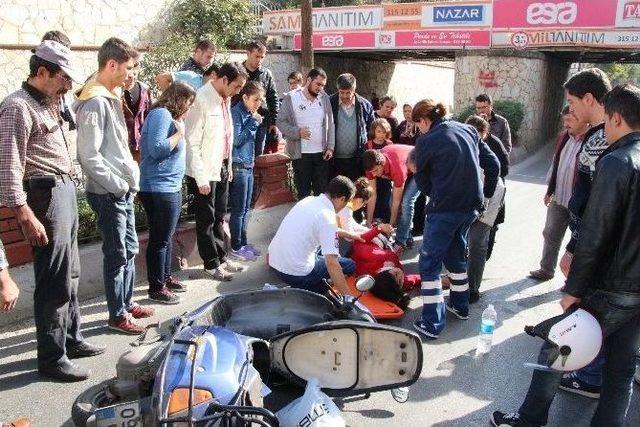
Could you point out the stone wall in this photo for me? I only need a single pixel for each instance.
(529, 78)
(408, 82)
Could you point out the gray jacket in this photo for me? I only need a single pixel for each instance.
(500, 128)
(291, 132)
(103, 143)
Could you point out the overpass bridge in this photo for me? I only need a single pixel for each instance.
(512, 49)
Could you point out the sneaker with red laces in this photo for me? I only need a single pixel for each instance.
(175, 285)
(125, 325)
(140, 312)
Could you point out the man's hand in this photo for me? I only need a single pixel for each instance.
(385, 228)
(204, 189)
(305, 133)
(230, 175)
(567, 301)
(565, 263)
(328, 155)
(32, 228)
(547, 199)
(9, 292)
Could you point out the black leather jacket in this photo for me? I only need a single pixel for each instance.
(607, 254)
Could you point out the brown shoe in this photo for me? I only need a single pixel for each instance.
(540, 274)
(125, 325)
(140, 312)
(175, 285)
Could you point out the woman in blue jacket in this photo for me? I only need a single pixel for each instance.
(246, 121)
(162, 166)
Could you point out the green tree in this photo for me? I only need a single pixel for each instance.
(230, 23)
(621, 73)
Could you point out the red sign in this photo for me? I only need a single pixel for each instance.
(443, 39)
(554, 13)
(338, 41)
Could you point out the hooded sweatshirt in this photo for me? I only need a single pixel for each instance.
(103, 142)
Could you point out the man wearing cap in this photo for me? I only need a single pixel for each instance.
(37, 185)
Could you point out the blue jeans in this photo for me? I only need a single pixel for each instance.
(444, 241)
(592, 373)
(409, 197)
(163, 212)
(619, 316)
(312, 281)
(382, 209)
(117, 225)
(240, 192)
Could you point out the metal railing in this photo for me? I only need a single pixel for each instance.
(258, 7)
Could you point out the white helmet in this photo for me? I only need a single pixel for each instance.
(574, 339)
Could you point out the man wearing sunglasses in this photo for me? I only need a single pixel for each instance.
(36, 171)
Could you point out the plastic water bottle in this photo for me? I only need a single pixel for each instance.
(489, 320)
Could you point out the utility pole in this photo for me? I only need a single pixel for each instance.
(306, 62)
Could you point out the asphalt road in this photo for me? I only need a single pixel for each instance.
(455, 389)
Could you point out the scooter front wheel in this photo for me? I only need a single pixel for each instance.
(89, 401)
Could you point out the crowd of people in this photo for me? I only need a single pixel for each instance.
(366, 184)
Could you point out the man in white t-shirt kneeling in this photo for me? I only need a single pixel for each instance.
(311, 224)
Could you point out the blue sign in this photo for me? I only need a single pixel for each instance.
(458, 14)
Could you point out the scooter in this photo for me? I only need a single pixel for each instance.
(212, 366)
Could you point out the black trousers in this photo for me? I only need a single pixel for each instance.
(209, 212)
(310, 172)
(57, 269)
(351, 168)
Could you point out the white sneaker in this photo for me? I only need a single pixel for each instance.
(233, 267)
(220, 274)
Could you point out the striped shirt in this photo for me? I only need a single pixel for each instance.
(567, 170)
(32, 142)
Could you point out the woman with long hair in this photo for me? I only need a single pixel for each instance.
(162, 166)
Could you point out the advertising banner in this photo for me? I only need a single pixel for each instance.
(456, 15)
(402, 16)
(434, 39)
(324, 20)
(566, 38)
(628, 14)
(554, 13)
(339, 41)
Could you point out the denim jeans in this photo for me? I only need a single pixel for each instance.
(407, 210)
(592, 373)
(478, 244)
(240, 192)
(117, 225)
(163, 212)
(444, 241)
(310, 172)
(619, 316)
(382, 209)
(57, 270)
(312, 281)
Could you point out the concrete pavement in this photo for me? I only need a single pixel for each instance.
(455, 389)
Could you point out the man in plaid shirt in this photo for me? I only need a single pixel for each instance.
(36, 174)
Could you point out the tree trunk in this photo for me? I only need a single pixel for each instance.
(306, 60)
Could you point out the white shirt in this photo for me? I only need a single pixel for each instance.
(309, 114)
(310, 224)
(348, 223)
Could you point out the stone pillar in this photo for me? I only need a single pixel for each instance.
(531, 78)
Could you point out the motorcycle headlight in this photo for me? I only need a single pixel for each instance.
(179, 399)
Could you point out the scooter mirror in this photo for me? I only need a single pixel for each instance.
(365, 283)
